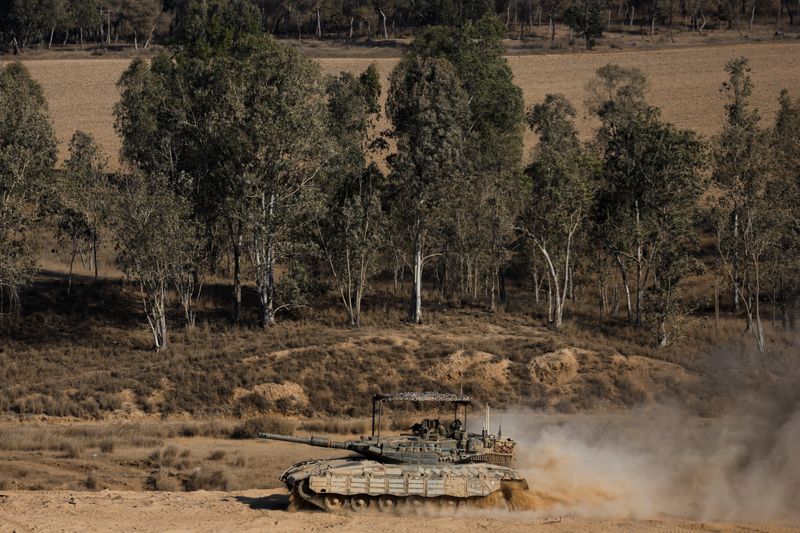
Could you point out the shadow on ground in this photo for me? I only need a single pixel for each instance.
(273, 502)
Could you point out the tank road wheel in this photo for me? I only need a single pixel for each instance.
(413, 503)
(388, 503)
(447, 502)
(359, 503)
(334, 502)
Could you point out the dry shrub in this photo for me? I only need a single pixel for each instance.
(239, 461)
(334, 425)
(71, 449)
(217, 455)
(107, 446)
(90, 482)
(163, 481)
(630, 392)
(216, 479)
(163, 457)
(249, 429)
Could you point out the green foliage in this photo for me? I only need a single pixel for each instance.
(27, 157)
(241, 135)
(783, 197)
(562, 182)
(153, 237)
(206, 28)
(429, 110)
(82, 197)
(351, 226)
(742, 214)
(615, 94)
(483, 209)
(647, 204)
(587, 18)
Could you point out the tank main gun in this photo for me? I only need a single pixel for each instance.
(321, 442)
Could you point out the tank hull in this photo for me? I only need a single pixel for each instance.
(355, 484)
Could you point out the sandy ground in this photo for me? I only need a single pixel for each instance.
(684, 83)
(262, 510)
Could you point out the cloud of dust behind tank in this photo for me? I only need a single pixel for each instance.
(742, 465)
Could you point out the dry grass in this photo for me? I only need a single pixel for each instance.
(337, 426)
(249, 429)
(202, 479)
(43, 456)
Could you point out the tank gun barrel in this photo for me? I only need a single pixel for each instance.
(322, 442)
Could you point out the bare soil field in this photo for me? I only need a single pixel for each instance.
(266, 510)
(684, 83)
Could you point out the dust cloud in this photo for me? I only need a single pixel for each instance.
(661, 461)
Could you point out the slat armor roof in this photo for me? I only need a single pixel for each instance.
(422, 397)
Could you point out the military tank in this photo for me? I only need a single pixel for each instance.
(437, 462)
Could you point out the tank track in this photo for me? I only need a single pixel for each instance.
(304, 498)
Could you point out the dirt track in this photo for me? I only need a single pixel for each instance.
(109, 511)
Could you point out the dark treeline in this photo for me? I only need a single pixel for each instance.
(45, 23)
(241, 159)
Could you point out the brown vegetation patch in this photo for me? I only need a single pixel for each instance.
(482, 367)
(554, 368)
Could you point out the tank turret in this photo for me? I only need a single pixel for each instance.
(437, 461)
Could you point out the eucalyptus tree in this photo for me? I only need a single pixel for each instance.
(484, 209)
(587, 18)
(82, 197)
(647, 203)
(562, 177)
(273, 133)
(351, 227)
(741, 176)
(83, 14)
(27, 157)
(785, 192)
(237, 122)
(429, 111)
(152, 232)
(616, 95)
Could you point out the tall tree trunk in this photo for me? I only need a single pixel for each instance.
(237, 275)
(94, 251)
(71, 262)
(639, 272)
(385, 31)
(81, 35)
(150, 36)
(735, 260)
(52, 31)
(267, 290)
(626, 285)
(416, 304)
